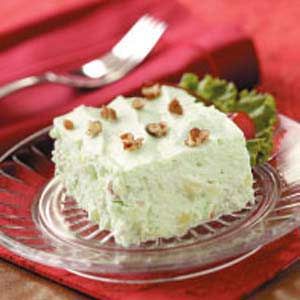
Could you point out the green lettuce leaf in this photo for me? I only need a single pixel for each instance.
(225, 96)
(259, 150)
(189, 81)
(216, 91)
(219, 92)
(260, 107)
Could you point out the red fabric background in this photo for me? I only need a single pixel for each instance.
(274, 26)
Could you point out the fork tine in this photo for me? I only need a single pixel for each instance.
(128, 52)
(154, 35)
(147, 24)
(131, 43)
(136, 28)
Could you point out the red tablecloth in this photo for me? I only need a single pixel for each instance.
(274, 27)
(45, 35)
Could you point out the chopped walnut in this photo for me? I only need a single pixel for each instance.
(196, 137)
(138, 103)
(126, 136)
(175, 107)
(68, 124)
(94, 128)
(157, 129)
(130, 143)
(151, 92)
(108, 113)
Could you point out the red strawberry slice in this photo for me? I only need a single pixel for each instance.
(245, 123)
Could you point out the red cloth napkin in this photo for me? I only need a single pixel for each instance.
(64, 37)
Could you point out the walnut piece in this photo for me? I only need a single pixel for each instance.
(108, 113)
(196, 137)
(175, 107)
(138, 103)
(130, 143)
(151, 92)
(126, 136)
(68, 124)
(94, 128)
(157, 129)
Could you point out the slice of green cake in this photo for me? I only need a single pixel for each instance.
(152, 167)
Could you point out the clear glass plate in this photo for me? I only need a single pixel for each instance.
(39, 222)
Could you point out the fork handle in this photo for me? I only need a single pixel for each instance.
(29, 81)
(20, 84)
(70, 80)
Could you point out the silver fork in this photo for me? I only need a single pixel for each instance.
(130, 51)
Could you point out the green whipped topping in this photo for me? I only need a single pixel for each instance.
(225, 96)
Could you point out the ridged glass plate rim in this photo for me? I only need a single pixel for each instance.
(291, 221)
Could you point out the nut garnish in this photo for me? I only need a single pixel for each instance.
(151, 92)
(157, 129)
(175, 107)
(68, 124)
(108, 113)
(94, 128)
(138, 103)
(196, 137)
(126, 136)
(130, 143)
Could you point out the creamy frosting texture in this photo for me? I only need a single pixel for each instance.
(163, 188)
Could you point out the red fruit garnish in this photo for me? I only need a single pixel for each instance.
(245, 123)
(277, 124)
(277, 139)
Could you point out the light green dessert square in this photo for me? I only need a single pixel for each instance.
(163, 185)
